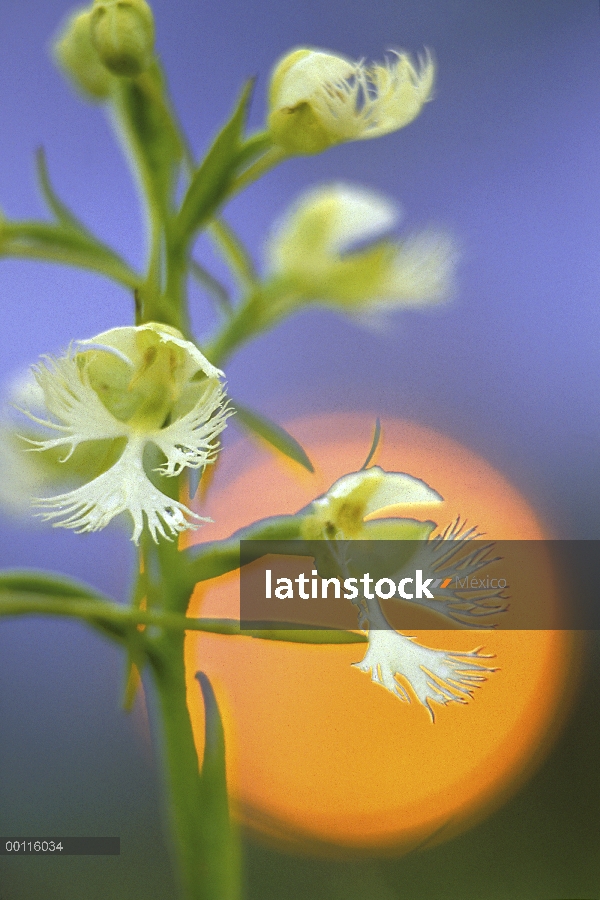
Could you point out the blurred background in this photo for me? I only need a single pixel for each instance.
(506, 159)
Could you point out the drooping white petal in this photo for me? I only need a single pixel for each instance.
(433, 675)
(325, 221)
(80, 414)
(191, 441)
(125, 487)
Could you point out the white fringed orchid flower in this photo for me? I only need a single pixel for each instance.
(130, 388)
(319, 99)
(314, 250)
(338, 517)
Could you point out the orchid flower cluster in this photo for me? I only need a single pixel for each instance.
(120, 423)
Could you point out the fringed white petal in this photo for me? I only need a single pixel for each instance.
(191, 441)
(80, 414)
(368, 102)
(432, 675)
(398, 91)
(125, 487)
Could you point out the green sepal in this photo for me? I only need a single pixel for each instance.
(150, 132)
(212, 179)
(272, 433)
(222, 878)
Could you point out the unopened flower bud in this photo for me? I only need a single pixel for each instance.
(123, 35)
(79, 60)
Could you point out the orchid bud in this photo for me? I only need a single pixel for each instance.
(123, 35)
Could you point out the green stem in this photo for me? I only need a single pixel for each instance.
(183, 775)
(235, 331)
(233, 252)
(263, 164)
(265, 305)
(119, 621)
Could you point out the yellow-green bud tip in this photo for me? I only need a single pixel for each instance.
(123, 35)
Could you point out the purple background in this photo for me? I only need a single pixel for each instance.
(506, 159)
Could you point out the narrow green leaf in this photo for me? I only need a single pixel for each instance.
(374, 444)
(234, 253)
(49, 242)
(46, 583)
(55, 204)
(274, 434)
(37, 593)
(212, 178)
(293, 635)
(220, 837)
(150, 132)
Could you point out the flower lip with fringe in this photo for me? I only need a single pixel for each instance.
(319, 99)
(338, 518)
(141, 385)
(333, 247)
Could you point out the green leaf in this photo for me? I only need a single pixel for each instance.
(294, 636)
(48, 584)
(220, 837)
(43, 593)
(212, 178)
(374, 444)
(150, 132)
(274, 434)
(49, 242)
(55, 204)
(212, 285)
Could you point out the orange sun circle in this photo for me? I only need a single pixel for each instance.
(319, 757)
